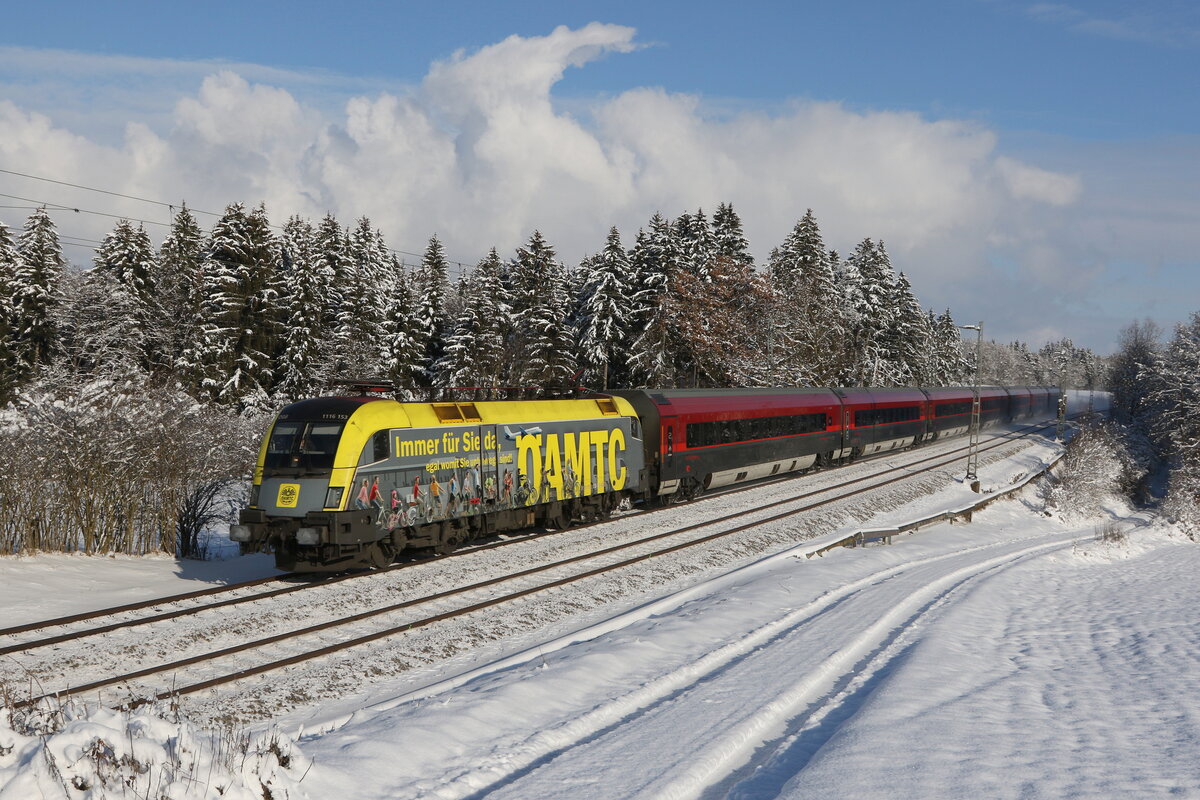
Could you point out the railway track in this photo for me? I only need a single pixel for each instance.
(427, 610)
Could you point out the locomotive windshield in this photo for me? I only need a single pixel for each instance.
(303, 445)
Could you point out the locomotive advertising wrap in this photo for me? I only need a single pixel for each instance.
(431, 474)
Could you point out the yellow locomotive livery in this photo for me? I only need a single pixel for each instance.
(351, 481)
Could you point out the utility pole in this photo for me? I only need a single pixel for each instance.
(976, 409)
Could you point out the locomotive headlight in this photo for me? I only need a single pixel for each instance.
(308, 536)
(239, 533)
(333, 498)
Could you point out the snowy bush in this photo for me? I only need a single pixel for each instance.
(111, 465)
(1096, 468)
(1182, 504)
(73, 751)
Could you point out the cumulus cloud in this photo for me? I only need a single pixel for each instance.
(1030, 183)
(480, 153)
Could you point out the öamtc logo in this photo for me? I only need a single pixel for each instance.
(289, 494)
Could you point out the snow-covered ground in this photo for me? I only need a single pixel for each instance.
(1015, 656)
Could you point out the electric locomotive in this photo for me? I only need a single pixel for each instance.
(344, 482)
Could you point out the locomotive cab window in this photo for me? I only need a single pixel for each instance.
(303, 445)
(379, 446)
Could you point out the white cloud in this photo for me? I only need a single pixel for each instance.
(480, 154)
(1142, 23)
(1030, 183)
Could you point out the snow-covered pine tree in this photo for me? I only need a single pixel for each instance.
(605, 313)
(908, 340)
(233, 353)
(811, 324)
(475, 347)
(950, 366)
(127, 256)
(654, 262)
(179, 279)
(1137, 351)
(8, 322)
(299, 370)
(869, 279)
(1029, 370)
(729, 241)
(496, 314)
(36, 292)
(333, 254)
(432, 286)
(402, 358)
(360, 324)
(694, 242)
(457, 368)
(541, 344)
(1175, 389)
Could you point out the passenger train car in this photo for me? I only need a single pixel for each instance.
(349, 482)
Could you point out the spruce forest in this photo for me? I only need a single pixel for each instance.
(134, 390)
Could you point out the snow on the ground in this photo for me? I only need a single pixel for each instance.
(52, 585)
(1072, 675)
(1013, 657)
(146, 753)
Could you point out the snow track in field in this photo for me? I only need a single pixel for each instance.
(861, 626)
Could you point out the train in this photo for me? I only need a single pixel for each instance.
(352, 481)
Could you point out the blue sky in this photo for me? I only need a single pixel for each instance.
(1068, 132)
(1050, 68)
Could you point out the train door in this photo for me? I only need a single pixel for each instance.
(671, 440)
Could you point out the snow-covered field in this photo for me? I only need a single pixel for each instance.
(1015, 656)
(1010, 658)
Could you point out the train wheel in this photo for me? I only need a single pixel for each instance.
(559, 517)
(605, 510)
(381, 555)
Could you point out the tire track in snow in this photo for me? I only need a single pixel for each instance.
(515, 759)
(835, 681)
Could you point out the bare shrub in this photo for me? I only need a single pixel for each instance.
(1110, 532)
(114, 465)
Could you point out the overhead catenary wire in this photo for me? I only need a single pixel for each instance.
(161, 203)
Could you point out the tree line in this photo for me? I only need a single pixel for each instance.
(245, 316)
